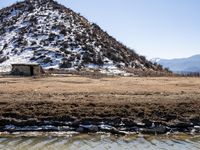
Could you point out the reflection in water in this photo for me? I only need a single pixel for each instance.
(97, 141)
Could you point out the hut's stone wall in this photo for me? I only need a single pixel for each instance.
(26, 70)
(37, 70)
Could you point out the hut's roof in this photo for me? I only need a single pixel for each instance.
(25, 64)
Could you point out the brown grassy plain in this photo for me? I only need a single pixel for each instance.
(160, 99)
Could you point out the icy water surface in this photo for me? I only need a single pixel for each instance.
(56, 141)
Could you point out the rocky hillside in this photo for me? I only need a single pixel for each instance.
(45, 32)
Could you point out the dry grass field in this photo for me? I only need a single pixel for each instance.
(160, 99)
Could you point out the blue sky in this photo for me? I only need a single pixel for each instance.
(154, 28)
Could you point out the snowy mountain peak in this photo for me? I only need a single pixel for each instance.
(39, 1)
(155, 60)
(45, 32)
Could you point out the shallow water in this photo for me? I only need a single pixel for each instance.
(54, 141)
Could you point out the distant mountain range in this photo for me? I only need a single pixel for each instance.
(190, 64)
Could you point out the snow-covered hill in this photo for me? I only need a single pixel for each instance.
(45, 32)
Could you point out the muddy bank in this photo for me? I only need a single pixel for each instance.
(146, 105)
(93, 117)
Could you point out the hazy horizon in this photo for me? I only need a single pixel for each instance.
(153, 28)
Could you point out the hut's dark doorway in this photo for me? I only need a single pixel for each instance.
(31, 70)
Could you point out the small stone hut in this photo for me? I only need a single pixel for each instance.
(27, 70)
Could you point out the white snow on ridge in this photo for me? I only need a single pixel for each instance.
(155, 60)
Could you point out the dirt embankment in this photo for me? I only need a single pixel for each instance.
(133, 103)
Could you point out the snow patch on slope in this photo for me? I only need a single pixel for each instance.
(23, 57)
